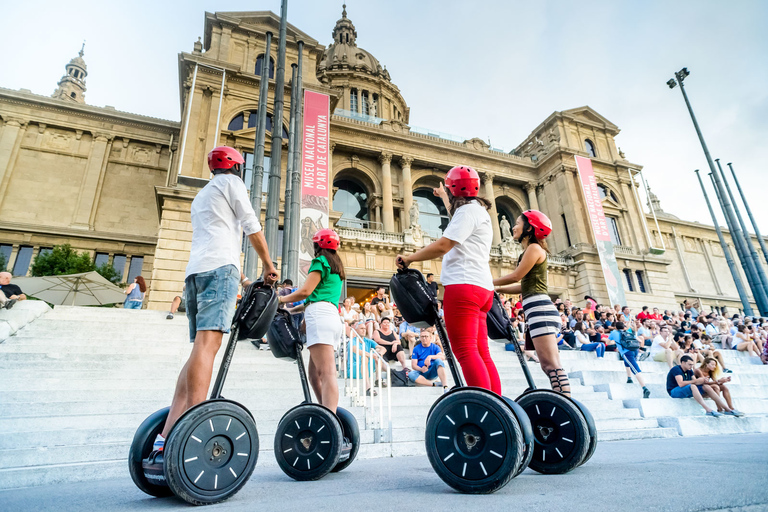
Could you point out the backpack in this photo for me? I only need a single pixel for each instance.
(256, 310)
(628, 341)
(400, 379)
(413, 298)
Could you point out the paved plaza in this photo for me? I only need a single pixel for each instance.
(678, 474)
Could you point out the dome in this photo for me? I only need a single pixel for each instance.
(344, 54)
(78, 61)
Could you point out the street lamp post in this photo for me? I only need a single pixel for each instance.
(757, 292)
(749, 213)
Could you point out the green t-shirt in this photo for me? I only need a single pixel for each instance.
(329, 289)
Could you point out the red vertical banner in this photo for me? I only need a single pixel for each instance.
(315, 175)
(600, 229)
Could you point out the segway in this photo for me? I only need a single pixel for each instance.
(212, 449)
(564, 431)
(475, 439)
(311, 441)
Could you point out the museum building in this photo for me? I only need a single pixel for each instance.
(120, 185)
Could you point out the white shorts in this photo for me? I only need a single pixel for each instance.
(323, 324)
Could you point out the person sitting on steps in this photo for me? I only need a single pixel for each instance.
(428, 363)
(682, 383)
(712, 370)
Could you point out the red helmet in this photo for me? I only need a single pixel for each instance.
(542, 226)
(224, 157)
(327, 239)
(462, 181)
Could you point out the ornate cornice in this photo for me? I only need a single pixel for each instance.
(385, 158)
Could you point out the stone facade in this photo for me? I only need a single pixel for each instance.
(108, 181)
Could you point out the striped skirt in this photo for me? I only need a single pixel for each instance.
(541, 315)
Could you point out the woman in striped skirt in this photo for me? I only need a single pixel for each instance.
(530, 280)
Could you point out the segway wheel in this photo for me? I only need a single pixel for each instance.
(527, 428)
(141, 447)
(308, 442)
(560, 431)
(474, 441)
(592, 431)
(211, 452)
(351, 433)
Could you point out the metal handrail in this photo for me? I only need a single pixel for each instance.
(356, 387)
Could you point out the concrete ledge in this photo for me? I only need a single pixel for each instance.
(23, 313)
(707, 426)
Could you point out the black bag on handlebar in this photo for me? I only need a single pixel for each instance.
(499, 324)
(283, 338)
(413, 297)
(256, 311)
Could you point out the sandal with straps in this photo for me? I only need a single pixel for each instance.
(559, 382)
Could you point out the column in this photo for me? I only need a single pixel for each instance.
(88, 188)
(681, 257)
(388, 214)
(705, 248)
(530, 189)
(407, 186)
(331, 147)
(489, 195)
(10, 140)
(635, 216)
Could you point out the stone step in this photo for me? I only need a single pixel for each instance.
(707, 426)
(633, 391)
(657, 407)
(635, 433)
(593, 378)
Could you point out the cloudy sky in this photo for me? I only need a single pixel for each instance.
(489, 69)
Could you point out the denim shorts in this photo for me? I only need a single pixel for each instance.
(430, 374)
(132, 304)
(211, 298)
(684, 392)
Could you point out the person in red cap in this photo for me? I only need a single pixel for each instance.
(465, 248)
(530, 277)
(220, 211)
(322, 291)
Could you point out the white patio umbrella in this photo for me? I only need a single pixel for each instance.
(88, 289)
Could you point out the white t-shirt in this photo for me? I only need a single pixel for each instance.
(219, 210)
(656, 345)
(467, 262)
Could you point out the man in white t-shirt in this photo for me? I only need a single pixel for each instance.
(664, 347)
(221, 212)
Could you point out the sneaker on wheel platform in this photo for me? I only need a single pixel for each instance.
(169, 317)
(153, 467)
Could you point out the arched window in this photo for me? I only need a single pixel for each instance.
(364, 97)
(504, 209)
(259, 61)
(238, 122)
(590, 147)
(433, 216)
(351, 200)
(606, 192)
(353, 100)
(73, 95)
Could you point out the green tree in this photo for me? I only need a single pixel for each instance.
(3, 263)
(109, 273)
(63, 259)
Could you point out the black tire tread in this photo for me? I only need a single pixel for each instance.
(141, 447)
(351, 430)
(190, 418)
(289, 417)
(489, 487)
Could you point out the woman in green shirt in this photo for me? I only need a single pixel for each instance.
(322, 291)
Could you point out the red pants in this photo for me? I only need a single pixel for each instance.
(465, 308)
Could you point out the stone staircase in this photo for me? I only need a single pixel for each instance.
(748, 387)
(77, 382)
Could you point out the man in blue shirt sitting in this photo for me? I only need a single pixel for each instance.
(682, 383)
(428, 363)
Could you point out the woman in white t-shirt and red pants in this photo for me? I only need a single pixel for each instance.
(466, 276)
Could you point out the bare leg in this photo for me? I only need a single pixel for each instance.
(324, 370)
(314, 380)
(401, 359)
(442, 375)
(727, 395)
(195, 378)
(698, 398)
(549, 357)
(670, 357)
(715, 398)
(175, 304)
